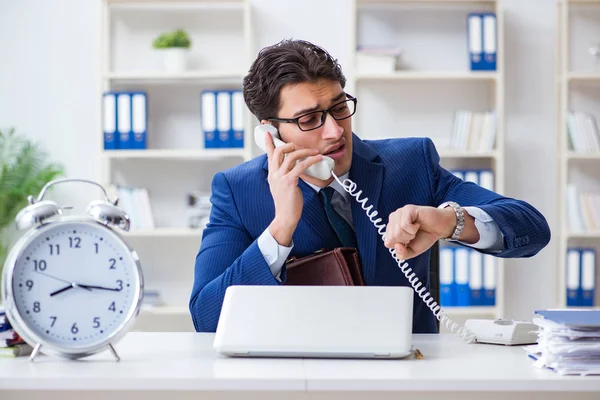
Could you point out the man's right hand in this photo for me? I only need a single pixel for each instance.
(283, 181)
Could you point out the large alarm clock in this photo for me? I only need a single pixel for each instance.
(71, 285)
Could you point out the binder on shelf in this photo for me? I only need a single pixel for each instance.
(588, 277)
(482, 41)
(446, 276)
(139, 120)
(223, 118)
(237, 120)
(472, 176)
(489, 280)
(209, 119)
(489, 42)
(124, 120)
(476, 278)
(461, 276)
(109, 111)
(475, 41)
(486, 179)
(573, 277)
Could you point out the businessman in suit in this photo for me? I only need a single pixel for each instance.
(268, 209)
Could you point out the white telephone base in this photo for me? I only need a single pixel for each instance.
(502, 331)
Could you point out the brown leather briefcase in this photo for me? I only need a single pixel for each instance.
(337, 267)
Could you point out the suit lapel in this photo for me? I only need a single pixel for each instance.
(367, 173)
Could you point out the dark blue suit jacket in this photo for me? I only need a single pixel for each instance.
(391, 173)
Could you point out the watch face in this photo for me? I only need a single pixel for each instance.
(75, 285)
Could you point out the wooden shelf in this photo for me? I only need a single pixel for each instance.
(200, 154)
(583, 235)
(428, 76)
(469, 154)
(583, 76)
(571, 155)
(447, 2)
(176, 5)
(182, 77)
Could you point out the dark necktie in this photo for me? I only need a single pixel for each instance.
(338, 223)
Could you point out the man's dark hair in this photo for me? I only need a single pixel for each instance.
(288, 62)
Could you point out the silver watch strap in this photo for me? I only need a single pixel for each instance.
(460, 219)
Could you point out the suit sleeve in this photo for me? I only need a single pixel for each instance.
(524, 228)
(228, 256)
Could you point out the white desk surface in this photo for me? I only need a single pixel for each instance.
(187, 361)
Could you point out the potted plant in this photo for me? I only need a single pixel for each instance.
(174, 46)
(24, 170)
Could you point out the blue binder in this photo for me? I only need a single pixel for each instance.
(124, 132)
(209, 119)
(109, 117)
(490, 43)
(223, 117)
(573, 275)
(446, 276)
(489, 280)
(588, 277)
(482, 41)
(139, 121)
(461, 276)
(476, 277)
(236, 136)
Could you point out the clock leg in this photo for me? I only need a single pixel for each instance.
(35, 351)
(112, 349)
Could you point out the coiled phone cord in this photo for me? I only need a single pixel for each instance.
(421, 290)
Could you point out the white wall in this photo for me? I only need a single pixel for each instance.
(50, 85)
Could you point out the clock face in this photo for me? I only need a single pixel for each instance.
(75, 284)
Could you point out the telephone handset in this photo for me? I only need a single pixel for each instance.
(324, 170)
(321, 170)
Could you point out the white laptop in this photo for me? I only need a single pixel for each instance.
(316, 322)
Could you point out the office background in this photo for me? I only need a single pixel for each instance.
(51, 81)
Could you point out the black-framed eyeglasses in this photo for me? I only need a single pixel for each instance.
(316, 119)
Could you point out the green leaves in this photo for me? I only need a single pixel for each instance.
(24, 170)
(178, 38)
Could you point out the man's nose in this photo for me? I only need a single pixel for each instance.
(331, 129)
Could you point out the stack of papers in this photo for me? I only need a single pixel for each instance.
(568, 341)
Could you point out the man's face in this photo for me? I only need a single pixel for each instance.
(333, 138)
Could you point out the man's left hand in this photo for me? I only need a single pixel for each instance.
(411, 230)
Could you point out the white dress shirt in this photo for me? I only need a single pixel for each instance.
(490, 236)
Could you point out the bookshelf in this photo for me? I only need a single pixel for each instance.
(577, 84)
(175, 160)
(432, 38)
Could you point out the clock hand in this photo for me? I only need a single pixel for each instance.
(72, 285)
(61, 290)
(53, 277)
(89, 287)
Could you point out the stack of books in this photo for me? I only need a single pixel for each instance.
(11, 344)
(568, 341)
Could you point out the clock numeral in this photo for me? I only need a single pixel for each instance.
(96, 245)
(54, 249)
(112, 262)
(39, 265)
(74, 329)
(53, 321)
(120, 283)
(97, 322)
(36, 306)
(29, 284)
(74, 242)
(112, 307)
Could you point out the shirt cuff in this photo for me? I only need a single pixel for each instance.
(273, 253)
(490, 236)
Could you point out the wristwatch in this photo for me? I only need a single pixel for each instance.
(460, 219)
